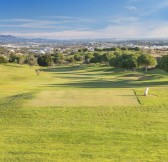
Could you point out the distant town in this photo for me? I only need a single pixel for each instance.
(156, 47)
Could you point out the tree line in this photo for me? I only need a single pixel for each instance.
(118, 58)
(123, 60)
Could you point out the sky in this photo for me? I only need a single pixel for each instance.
(82, 19)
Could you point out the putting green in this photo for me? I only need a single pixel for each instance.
(85, 97)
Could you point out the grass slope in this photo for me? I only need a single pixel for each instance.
(82, 133)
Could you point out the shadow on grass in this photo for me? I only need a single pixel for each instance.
(63, 69)
(11, 107)
(74, 77)
(15, 101)
(124, 80)
(131, 95)
(69, 69)
(111, 84)
(15, 66)
(106, 69)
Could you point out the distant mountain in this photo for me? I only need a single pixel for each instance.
(4, 39)
(13, 39)
(10, 39)
(7, 37)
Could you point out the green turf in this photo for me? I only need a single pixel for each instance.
(107, 97)
(85, 131)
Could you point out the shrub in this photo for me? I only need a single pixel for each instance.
(3, 60)
(163, 63)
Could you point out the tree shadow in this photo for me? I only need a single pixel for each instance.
(152, 77)
(105, 69)
(75, 77)
(84, 77)
(63, 69)
(110, 84)
(12, 65)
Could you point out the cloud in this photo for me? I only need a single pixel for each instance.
(139, 30)
(161, 32)
(17, 20)
(131, 8)
(28, 23)
(58, 22)
(58, 17)
(34, 26)
(155, 8)
(123, 19)
(73, 19)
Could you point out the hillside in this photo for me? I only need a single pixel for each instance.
(66, 114)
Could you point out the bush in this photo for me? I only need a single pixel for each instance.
(31, 61)
(106, 57)
(163, 63)
(58, 58)
(96, 58)
(78, 57)
(13, 58)
(88, 57)
(45, 60)
(70, 60)
(3, 60)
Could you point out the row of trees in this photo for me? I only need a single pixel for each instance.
(133, 61)
(19, 59)
(122, 60)
(58, 58)
(42, 60)
(98, 58)
(117, 59)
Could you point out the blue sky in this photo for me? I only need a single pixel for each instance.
(75, 19)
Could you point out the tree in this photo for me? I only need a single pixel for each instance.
(3, 60)
(106, 57)
(71, 60)
(31, 61)
(163, 63)
(146, 60)
(129, 63)
(13, 58)
(45, 60)
(118, 59)
(124, 48)
(115, 61)
(78, 57)
(96, 58)
(21, 60)
(58, 58)
(98, 49)
(85, 50)
(125, 60)
(137, 49)
(88, 57)
(80, 50)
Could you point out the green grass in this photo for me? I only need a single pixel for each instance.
(89, 120)
(85, 98)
